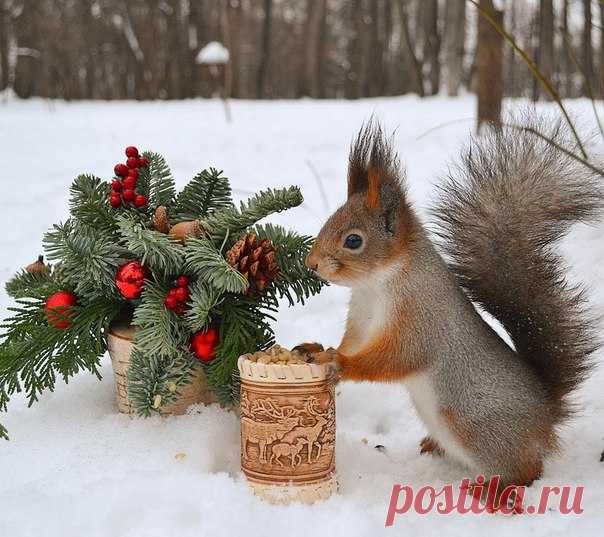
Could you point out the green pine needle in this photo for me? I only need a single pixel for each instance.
(160, 332)
(231, 221)
(89, 202)
(204, 299)
(3, 432)
(156, 250)
(25, 284)
(150, 376)
(156, 182)
(208, 191)
(208, 264)
(244, 327)
(295, 282)
(88, 257)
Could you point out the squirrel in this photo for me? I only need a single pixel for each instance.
(412, 317)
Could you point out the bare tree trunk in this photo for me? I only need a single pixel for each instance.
(409, 45)
(4, 44)
(315, 14)
(455, 36)
(566, 65)
(263, 69)
(587, 49)
(489, 67)
(233, 25)
(546, 43)
(431, 43)
(601, 81)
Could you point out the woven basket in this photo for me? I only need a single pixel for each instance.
(119, 343)
(288, 431)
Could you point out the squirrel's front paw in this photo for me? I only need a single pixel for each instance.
(329, 358)
(308, 348)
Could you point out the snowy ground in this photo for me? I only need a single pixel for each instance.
(76, 467)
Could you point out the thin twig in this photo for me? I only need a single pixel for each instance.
(320, 186)
(534, 69)
(445, 124)
(586, 82)
(557, 146)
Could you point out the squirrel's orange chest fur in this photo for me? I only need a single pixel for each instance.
(373, 344)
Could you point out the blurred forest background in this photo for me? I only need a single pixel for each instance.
(146, 49)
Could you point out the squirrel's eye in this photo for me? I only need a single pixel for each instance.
(353, 241)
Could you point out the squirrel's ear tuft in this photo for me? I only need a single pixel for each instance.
(373, 163)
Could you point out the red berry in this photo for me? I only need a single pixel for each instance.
(116, 185)
(131, 151)
(182, 281)
(130, 279)
(129, 182)
(212, 335)
(132, 162)
(170, 302)
(133, 172)
(59, 309)
(129, 194)
(115, 200)
(182, 294)
(140, 201)
(143, 162)
(121, 169)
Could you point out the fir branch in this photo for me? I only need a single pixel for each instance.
(160, 332)
(155, 250)
(89, 202)
(25, 284)
(3, 432)
(261, 205)
(88, 257)
(295, 282)
(244, 327)
(207, 263)
(33, 352)
(156, 182)
(208, 191)
(203, 299)
(153, 381)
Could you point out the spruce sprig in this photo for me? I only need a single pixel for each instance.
(207, 263)
(155, 250)
(160, 332)
(208, 192)
(295, 282)
(154, 381)
(232, 221)
(156, 182)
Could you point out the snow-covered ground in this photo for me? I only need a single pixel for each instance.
(75, 467)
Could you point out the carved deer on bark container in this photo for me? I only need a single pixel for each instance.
(309, 434)
(265, 433)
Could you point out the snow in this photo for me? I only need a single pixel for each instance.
(75, 467)
(214, 52)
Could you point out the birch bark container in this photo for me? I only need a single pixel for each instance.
(119, 344)
(288, 431)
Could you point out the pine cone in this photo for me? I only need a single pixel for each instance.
(255, 260)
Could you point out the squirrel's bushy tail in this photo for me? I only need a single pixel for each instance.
(502, 210)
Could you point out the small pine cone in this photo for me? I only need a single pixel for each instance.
(160, 220)
(255, 260)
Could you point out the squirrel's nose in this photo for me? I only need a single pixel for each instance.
(311, 262)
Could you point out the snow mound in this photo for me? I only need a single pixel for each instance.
(213, 53)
